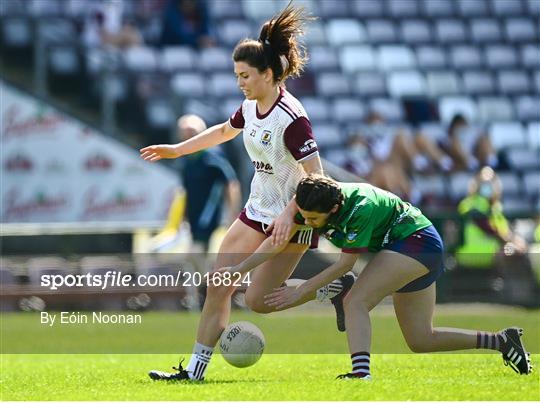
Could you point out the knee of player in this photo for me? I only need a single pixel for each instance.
(354, 303)
(256, 304)
(213, 291)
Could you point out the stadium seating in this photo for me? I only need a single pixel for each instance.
(381, 31)
(452, 105)
(478, 58)
(533, 132)
(415, 31)
(175, 58)
(523, 159)
(459, 185)
(344, 30)
(369, 84)
(443, 83)
(478, 82)
(507, 134)
(438, 8)
(495, 109)
(465, 57)
(431, 58)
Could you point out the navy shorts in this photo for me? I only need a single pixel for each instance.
(427, 247)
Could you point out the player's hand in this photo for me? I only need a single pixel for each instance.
(157, 152)
(520, 245)
(516, 246)
(283, 297)
(281, 228)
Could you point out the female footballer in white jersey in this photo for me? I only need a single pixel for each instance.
(278, 138)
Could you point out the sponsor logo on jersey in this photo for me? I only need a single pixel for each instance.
(308, 146)
(263, 167)
(266, 137)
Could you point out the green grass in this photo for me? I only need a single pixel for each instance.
(276, 376)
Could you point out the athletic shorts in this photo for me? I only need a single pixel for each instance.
(426, 246)
(305, 236)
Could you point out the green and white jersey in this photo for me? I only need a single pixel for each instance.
(370, 219)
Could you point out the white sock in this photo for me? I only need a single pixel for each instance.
(329, 291)
(199, 361)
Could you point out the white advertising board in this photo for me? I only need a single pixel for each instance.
(57, 169)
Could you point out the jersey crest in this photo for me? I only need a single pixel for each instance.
(266, 137)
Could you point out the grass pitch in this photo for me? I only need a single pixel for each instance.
(301, 376)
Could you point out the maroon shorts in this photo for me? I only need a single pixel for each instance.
(305, 236)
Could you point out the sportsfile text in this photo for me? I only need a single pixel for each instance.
(116, 279)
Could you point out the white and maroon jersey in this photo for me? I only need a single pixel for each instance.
(276, 142)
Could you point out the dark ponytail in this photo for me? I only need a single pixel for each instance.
(278, 47)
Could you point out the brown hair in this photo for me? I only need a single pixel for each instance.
(318, 193)
(277, 47)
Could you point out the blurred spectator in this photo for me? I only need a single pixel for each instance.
(430, 156)
(486, 231)
(380, 154)
(186, 22)
(468, 147)
(210, 183)
(106, 26)
(386, 156)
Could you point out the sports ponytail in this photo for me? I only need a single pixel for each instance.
(278, 47)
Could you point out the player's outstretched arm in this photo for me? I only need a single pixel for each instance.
(208, 138)
(286, 297)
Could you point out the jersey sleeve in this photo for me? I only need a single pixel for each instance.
(237, 119)
(359, 233)
(299, 139)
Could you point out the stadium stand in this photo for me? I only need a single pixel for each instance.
(478, 58)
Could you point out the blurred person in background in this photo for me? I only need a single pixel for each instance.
(210, 184)
(381, 154)
(386, 156)
(489, 243)
(486, 229)
(106, 26)
(534, 249)
(186, 22)
(469, 148)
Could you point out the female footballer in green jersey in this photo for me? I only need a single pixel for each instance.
(407, 260)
